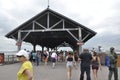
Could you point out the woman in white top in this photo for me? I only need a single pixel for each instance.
(54, 58)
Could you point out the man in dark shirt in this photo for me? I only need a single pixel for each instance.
(85, 58)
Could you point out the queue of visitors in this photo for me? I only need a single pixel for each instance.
(86, 59)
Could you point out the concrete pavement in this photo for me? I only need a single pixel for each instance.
(43, 72)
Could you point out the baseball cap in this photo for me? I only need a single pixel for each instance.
(23, 53)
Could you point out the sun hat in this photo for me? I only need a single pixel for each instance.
(23, 53)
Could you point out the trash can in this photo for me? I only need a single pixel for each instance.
(1, 58)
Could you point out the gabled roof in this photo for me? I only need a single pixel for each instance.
(51, 29)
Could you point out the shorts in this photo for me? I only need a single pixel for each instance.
(95, 67)
(69, 64)
(53, 60)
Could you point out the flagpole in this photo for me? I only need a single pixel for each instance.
(48, 4)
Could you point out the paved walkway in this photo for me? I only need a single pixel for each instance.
(42, 72)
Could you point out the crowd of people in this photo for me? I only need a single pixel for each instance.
(86, 59)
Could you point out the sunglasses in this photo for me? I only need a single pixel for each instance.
(19, 56)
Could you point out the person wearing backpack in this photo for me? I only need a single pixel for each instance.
(107, 60)
(113, 64)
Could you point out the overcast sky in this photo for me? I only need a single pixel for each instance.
(102, 16)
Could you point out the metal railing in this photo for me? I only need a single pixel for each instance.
(10, 59)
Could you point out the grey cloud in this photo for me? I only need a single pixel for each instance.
(5, 24)
(116, 6)
(112, 24)
(21, 14)
(18, 16)
(106, 41)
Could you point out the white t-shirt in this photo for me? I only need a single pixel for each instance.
(54, 55)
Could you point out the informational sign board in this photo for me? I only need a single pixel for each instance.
(18, 44)
(80, 43)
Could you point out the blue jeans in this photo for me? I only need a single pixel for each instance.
(37, 61)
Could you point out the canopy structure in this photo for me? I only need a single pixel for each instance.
(51, 29)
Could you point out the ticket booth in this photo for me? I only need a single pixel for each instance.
(1, 58)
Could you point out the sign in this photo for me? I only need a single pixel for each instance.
(80, 43)
(1, 58)
(18, 43)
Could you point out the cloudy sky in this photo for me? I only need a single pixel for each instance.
(102, 16)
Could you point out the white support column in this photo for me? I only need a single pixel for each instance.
(19, 42)
(48, 21)
(80, 39)
(33, 25)
(63, 24)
